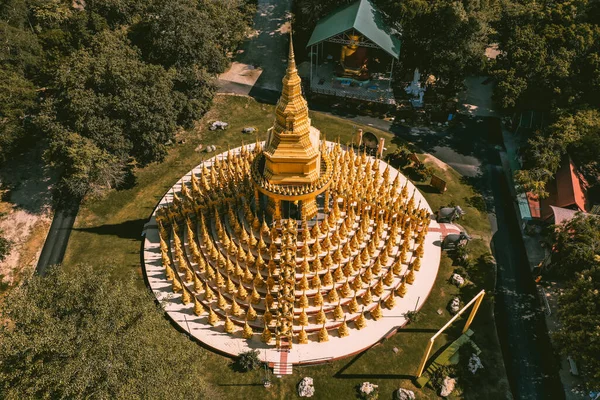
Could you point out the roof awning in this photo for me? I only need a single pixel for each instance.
(363, 17)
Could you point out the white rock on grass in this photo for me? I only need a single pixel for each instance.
(447, 386)
(306, 388)
(455, 305)
(404, 394)
(474, 363)
(367, 388)
(458, 280)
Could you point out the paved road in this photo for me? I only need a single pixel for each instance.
(259, 65)
(56, 242)
(528, 355)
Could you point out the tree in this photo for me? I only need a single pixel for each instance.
(444, 39)
(579, 308)
(249, 360)
(179, 34)
(17, 101)
(576, 246)
(19, 59)
(108, 106)
(553, 48)
(90, 333)
(577, 134)
(576, 259)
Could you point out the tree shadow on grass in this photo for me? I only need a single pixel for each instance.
(125, 230)
(426, 188)
(342, 375)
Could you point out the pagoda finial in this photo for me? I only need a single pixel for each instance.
(291, 59)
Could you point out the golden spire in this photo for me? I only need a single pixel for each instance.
(291, 68)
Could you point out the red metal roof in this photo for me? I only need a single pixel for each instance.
(570, 186)
(566, 190)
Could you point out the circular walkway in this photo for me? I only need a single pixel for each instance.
(314, 351)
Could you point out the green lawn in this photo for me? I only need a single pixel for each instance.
(108, 230)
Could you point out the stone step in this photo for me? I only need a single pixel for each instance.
(282, 369)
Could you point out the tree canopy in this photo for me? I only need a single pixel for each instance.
(549, 54)
(576, 259)
(576, 134)
(89, 334)
(107, 82)
(576, 246)
(550, 61)
(579, 308)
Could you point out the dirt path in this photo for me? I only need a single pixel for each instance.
(25, 213)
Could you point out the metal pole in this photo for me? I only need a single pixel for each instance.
(317, 61)
(477, 300)
(425, 357)
(391, 71)
(322, 54)
(311, 65)
(473, 311)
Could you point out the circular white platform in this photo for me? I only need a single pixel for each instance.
(312, 352)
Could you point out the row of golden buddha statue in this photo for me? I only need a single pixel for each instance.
(230, 263)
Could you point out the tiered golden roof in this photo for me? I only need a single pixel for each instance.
(292, 147)
(293, 165)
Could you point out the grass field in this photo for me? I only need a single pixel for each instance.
(108, 230)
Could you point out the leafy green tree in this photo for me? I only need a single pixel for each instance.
(576, 246)
(20, 57)
(577, 134)
(17, 100)
(553, 47)
(576, 259)
(108, 106)
(87, 169)
(179, 33)
(90, 333)
(579, 308)
(249, 360)
(443, 39)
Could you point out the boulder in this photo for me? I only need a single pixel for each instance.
(306, 388)
(455, 305)
(458, 280)
(474, 363)
(367, 388)
(404, 394)
(447, 386)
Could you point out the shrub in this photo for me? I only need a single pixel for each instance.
(249, 360)
(5, 246)
(412, 316)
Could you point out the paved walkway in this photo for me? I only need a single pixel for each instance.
(336, 347)
(259, 65)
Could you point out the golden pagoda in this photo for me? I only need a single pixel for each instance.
(293, 166)
(294, 280)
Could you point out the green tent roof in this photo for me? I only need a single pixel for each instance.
(363, 17)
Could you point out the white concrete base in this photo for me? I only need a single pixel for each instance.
(313, 352)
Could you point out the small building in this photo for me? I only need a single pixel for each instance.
(352, 54)
(567, 191)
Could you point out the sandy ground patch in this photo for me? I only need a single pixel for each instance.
(441, 165)
(26, 213)
(241, 73)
